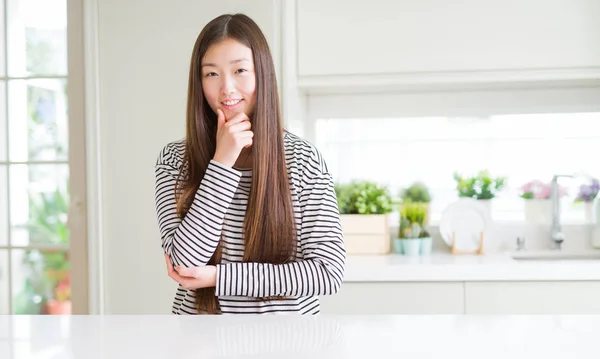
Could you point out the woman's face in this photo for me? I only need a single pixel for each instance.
(228, 78)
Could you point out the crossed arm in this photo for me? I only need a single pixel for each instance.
(189, 243)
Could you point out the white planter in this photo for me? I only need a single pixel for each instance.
(596, 237)
(538, 211)
(488, 205)
(411, 247)
(588, 209)
(366, 233)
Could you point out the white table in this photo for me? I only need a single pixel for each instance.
(447, 267)
(172, 337)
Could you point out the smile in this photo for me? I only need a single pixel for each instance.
(231, 102)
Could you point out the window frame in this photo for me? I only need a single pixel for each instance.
(76, 160)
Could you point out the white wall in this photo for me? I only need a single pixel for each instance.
(144, 49)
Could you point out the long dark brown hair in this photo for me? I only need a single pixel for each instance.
(269, 227)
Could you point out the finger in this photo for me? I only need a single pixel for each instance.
(247, 142)
(246, 134)
(187, 284)
(237, 118)
(220, 119)
(239, 127)
(169, 263)
(178, 278)
(185, 271)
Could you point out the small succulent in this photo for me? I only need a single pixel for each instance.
(414, 231)
(410, 230)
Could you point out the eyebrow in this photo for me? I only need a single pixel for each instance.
(209, 64)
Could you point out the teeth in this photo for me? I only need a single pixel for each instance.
(231, 103)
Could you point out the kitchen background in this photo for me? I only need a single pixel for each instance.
(392, 92)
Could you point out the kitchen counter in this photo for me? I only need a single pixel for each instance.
(348, 337)
(486, 267)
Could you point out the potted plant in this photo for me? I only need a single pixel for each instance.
(482, 186)
(412, 238)
(364, 213)
(45, 269)
(538, 206)
(60, 304)
(419, 193)
(586, 195)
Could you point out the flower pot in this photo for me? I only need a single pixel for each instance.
(397, 245)
(487, 204)
(426, 244)
(54, 307)
(538, 211)
(596, 237)
(411, 247)
(366, 233)
(588, 210)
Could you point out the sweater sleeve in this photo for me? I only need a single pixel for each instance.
(320, 272)
(191, 241)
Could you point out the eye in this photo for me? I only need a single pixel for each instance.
(241, 70)
(210, 74)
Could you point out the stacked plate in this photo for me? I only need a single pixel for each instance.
(467, 218)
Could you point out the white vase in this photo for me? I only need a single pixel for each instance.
(538, 211)
(488, 205)
(588, 209)
(596, 237)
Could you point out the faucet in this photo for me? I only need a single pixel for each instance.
(556, 233)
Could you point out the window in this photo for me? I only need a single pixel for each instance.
(523, 147)
(34, 167)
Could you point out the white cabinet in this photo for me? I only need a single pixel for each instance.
(440, 40)
(494, 297)
(396, 298)
(532, 297)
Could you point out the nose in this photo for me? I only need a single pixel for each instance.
(227, 86)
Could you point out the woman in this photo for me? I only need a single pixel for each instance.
(247, 211)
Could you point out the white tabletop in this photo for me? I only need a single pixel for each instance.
(173, 337)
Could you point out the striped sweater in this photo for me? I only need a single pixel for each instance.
(219, 208)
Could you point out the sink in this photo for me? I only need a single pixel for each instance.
(555, 256)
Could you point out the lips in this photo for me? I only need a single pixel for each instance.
(231, 102)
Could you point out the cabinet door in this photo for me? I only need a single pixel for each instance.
(396, 298)
(383, 37)
(532, 297)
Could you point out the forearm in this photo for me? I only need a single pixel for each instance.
(296, 279)
(193, 240)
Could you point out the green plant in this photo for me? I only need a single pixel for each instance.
(47, 269)
(412, 220)
(363, 197)
(417, 192)
(480, 186)
(415, 212)
(412, 231)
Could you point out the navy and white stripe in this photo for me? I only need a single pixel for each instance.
(219, 208)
